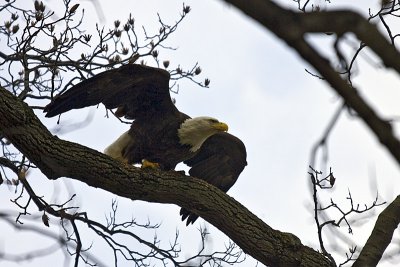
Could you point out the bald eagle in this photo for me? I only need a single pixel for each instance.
(159, 133)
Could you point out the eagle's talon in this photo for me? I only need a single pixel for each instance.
(148, 164)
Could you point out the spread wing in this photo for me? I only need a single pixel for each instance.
(137, 90)
(221, 159)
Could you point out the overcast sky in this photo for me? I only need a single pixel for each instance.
(260, 88)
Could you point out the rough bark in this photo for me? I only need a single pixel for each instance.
(58, 158)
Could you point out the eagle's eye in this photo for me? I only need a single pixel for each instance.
(213, 120)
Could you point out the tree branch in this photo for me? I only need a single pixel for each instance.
(57, 158)
(291, 28)
(381, 235)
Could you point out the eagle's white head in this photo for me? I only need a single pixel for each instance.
(195, 131)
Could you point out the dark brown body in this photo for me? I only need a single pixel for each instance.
(157, 144)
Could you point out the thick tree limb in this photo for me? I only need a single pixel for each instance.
(381, 235)
(292, 27)
(57, 158)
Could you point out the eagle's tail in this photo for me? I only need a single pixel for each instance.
(191, 217)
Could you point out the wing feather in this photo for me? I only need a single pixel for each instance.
(139, 90)
(221, 159)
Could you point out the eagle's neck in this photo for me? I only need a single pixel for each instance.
(194, 132)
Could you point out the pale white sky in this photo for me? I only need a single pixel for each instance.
(260, 88)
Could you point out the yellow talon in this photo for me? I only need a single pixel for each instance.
(149, 164)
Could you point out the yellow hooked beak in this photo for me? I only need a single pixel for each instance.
(220, 126)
